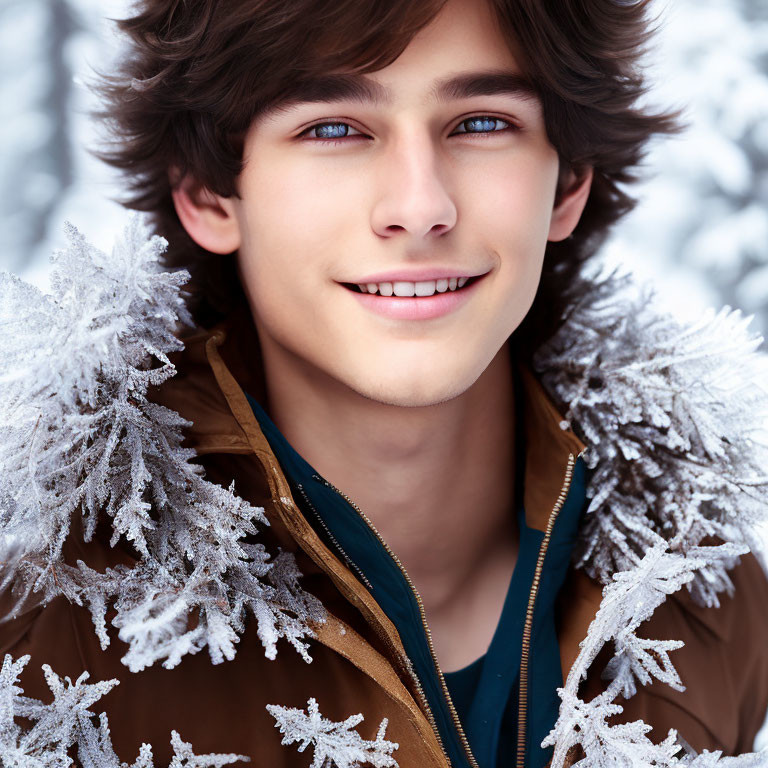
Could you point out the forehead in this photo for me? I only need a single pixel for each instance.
(461, 53)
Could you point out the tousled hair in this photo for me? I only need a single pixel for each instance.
(198, 72)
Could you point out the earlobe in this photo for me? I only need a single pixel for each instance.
(209, 219)
(570, 204)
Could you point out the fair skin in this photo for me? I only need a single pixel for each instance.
(412, 418)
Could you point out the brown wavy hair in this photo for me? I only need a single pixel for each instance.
(197, 73)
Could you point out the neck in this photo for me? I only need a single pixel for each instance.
(437, 482)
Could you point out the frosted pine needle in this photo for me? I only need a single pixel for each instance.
(675, 418)
(675, 421)
(334, 744)
(67, 722)
(80, 438)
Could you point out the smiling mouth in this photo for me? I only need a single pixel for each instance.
(356, 289)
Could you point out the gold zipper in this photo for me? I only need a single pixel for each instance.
(347, 559)
(428, 633)
(527, 627)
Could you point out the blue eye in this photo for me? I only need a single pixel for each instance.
(482, 124)
(330, 131)
(336, 132)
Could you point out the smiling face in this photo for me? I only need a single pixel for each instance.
(439, 174)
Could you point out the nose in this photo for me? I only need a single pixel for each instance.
(411, 194)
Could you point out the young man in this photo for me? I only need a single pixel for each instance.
(385, 210)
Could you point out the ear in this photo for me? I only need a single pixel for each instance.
(573, 191)
(209, 219)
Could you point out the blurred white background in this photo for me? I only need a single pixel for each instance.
(47, 51)
(700, 233)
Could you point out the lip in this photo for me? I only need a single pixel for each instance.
(418, 275)
(417, 307)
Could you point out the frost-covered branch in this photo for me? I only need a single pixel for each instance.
(67, 722)
(675, 419)
(630, 599)
(80, 437)
(334, 744)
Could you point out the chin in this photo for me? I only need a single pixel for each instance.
(411, 392)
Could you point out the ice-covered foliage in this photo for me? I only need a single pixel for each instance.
(81, 442)
(674, 417)
(628, 600)
(334, 744)
(66, 725)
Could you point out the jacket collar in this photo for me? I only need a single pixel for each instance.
(217, 365)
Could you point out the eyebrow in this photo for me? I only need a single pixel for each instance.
(361, 89)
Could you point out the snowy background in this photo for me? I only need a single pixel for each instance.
(47, 51)
(701, 232)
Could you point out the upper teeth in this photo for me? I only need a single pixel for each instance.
(425, 288)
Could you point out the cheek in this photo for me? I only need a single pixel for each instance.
(298, 196)
(514, 211)
(290, 222)
(523, 196)
(513, 219)
(290, 218)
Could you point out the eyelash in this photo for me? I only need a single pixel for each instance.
(342, 139)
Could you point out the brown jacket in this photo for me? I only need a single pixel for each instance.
(359, 664)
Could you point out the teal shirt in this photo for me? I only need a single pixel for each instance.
(485, 693)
